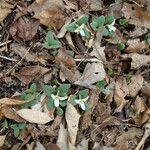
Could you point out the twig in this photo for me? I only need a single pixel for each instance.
(4, 43)
(11, 59)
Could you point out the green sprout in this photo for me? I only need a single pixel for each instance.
(79, 27)
(102, 86)
(17, 128)
(81, 99)
(57, 97)
(123, 22)
(121, 46)
(50, 42)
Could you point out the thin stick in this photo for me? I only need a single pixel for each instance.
(11, 59)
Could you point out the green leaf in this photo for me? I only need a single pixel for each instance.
(50, 103)
(110, 72)
(121, 46)
(109, 19)
(87, 107)
(83, 20)
(59, 111)
(122, 22)
(5, 124)
(16, 130)
(48, 90)
(148, 38)
(101, 84)
(22, 126)
(83, 93)
(63, 103)
(63, 89)
(72, 27)
(72, 100)
(87, 34)
(33, 88)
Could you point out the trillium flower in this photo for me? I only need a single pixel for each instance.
(80, 30)
(111, 27)
(57, 98)
(81, 102)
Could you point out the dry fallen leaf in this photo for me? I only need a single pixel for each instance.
(135, 85)
(9, 101)
(39, 146)
(34, 116)
(138, 60)
(136, 15)
(121, 90)
(93, 73)
(83, 145)
(49, 12)
(96, 5)
(135, 45)
(2, 140)
(146, 89)
(24, 29)
(72, 119)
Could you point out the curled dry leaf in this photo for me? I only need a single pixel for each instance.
(34, 116)
(2, 140)
(135, 85)
(9, 113)
(24, 29)
(136, 15)
(132, 133)
(64, 58)
(93, 73)
(121, 90)
(72, 118)
(138, 60)
(5, 9)
(146, 89)
(10, 101)
(135, 45)
(49, 12)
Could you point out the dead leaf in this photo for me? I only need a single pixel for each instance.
(5, 9)
(62, 140)
(98, 51)
(146, 89)
(127, 136)
(39, 146)
(49, 12)
(96, 5)
(135, 85)
(23, 52)
(93, 73)
(136, 15)
(138, 60)
(121, 90)
(34, 116)
(135, 45)
(72, 119)
(63, 57)
(9, 101)
(83, 145)
(24, 29)
(2, 139)
(9, 113)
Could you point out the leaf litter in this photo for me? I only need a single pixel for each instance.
(74, 74)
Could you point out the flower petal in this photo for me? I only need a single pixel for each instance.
(77, 101)
(82, 32)
(86, 98)
(56, 103)
(63, 98)
(82, 106)
(53, 96)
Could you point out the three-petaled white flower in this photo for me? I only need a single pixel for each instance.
(81, 102)
(80, 29)
(111, 27)
(57, 98)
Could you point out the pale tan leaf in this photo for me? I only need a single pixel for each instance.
(9, 101)
(96, 5)
(138, 60)
(34, 116)
(2, 139)
(39, 146)
(72, 119)
(62, 140)
(146, 89)
(135, 85)
(83, 145)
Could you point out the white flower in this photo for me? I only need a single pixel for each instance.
(80, 30)
(111, 27)
(81, 102)
(57, 98)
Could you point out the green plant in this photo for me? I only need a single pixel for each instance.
(81, 99)
(79, 27)
(123, 22)
(50, 42)
(110, 71)
(17, 128)
(32, 96)
(148, 38)
(102, 86)
(121, 46)
(57, 97)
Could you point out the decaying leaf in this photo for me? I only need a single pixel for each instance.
(83, 145)
(93, 73)
(2, 139)
(62, 140)
(24, 29)
(146, 89)
(138, 60)
(136, 15)
(34, 116)
(96, 5)
(136, 45)
(49, 12)
(121, 90)
(125, 137)
(10, 101)
(72, 119)
(39, 146)
(5, 9)
(135, 85)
